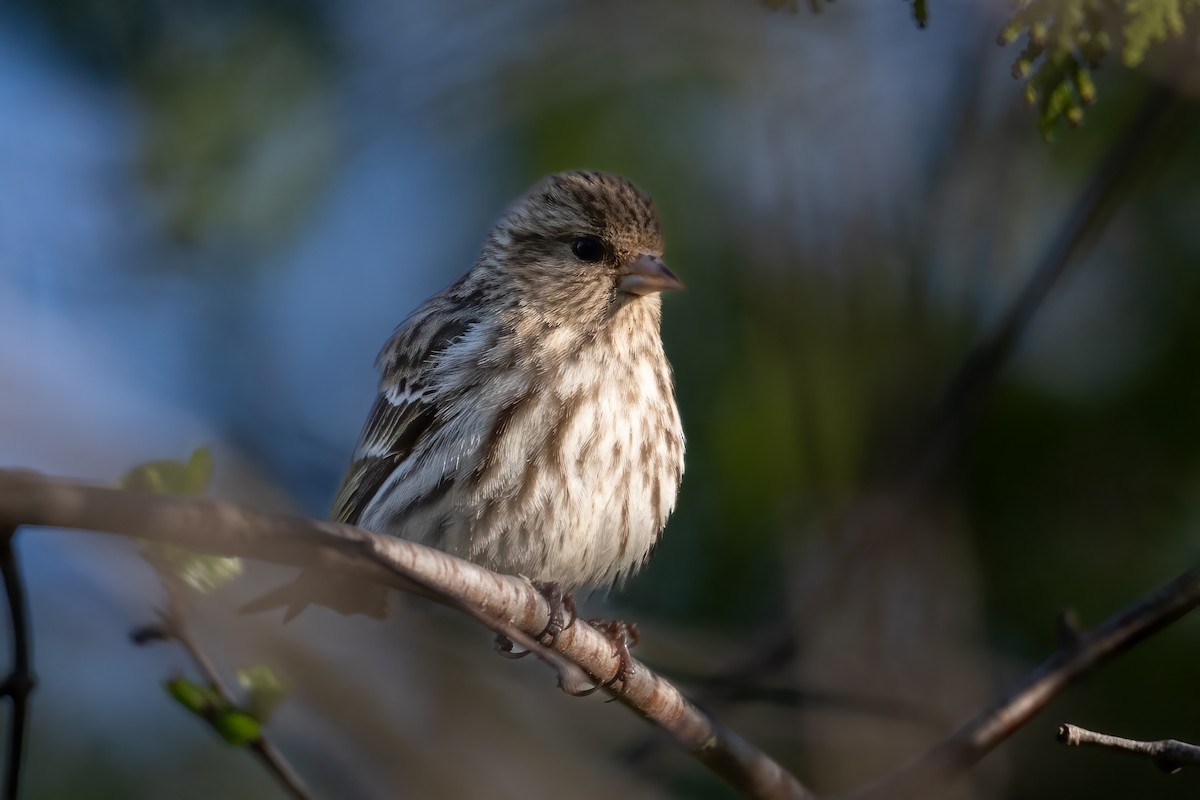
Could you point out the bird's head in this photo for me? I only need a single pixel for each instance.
(581, 245)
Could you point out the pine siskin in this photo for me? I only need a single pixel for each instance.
(526, 414)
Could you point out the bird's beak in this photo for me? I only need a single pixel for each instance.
(647, 274)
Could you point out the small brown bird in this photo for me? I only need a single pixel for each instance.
(526, 415)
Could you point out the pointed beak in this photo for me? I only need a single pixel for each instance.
(647, 274)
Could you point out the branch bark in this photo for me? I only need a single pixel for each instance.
(1169, 755)
(19, 683)
(970, 743)
(506, 604)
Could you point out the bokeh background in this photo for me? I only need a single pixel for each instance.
(213, 213)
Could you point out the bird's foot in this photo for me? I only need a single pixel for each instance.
(623, 636)
(558, 622)
(559, 603)
(504, 646)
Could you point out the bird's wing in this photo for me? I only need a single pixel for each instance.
(407, 410)
(392, 431)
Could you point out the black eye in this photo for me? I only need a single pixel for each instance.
(589, 248)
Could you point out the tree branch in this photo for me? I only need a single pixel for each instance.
(1169, 755)
(979, 370)
(506, 604)
(173, 626)
(20, 681)
(970, 743)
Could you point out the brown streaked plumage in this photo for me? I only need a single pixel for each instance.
(526, 416)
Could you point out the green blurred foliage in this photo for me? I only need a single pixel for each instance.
(241, 132)
(1067, 39)
(165, 476)
(262, 689)
(234, 725)
(194, 697)
(203, 573)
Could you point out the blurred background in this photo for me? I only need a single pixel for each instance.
(213, 213)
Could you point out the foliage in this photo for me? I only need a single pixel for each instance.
(264, 691)
(241, 134)
(238, 723)
(1067, 39)
(202, 572)
(235, 725)
(165, 476)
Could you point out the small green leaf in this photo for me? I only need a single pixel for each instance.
(921, 12)
(1066, 39)
(153, 476)
(199, 471)
(1151, 21)
(263, 690)
(171, 477)
(236, 727)
(203, 573)
(192, 696)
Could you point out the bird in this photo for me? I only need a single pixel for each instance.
(526, 417)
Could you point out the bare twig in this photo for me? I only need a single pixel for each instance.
(970, 743)
(977, 373)
(1169, 755)
(506, 604)
(174, 627)
(20, 681)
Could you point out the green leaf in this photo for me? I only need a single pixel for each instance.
(236, 727)
(1067, 38)
(197, 699)
(263, 689)
(1151, 21)
(920, 9)
(171, 477)
(203, 573)
(198, 472)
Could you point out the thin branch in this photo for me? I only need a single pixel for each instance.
(970, 743)
(1169, 755)
(20, 681)
(977, 373)
(175, 627)
(504, 603)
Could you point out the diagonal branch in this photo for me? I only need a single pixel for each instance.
(506, 604)
(174, 627)
(977, 374)
(1169, 755)
(20, 681)
(970, 743)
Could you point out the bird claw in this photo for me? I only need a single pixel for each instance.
(504, 646)
(558, 603)
(623, 636)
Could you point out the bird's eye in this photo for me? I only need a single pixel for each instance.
(589, 248)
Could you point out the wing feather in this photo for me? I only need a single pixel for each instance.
(392, 432)
(407, 408)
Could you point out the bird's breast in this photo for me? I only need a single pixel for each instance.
(581, 468)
